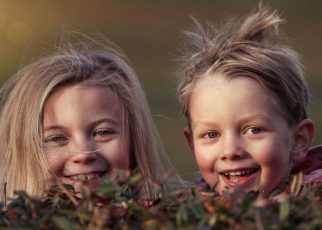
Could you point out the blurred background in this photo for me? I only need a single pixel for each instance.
(150, 33)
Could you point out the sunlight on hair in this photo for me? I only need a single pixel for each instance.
(19, 32)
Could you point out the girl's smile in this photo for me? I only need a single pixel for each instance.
(78, 180)
(85, 136)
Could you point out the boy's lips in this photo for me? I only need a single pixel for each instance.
(241, 176)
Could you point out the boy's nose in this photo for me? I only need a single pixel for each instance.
(232, 149)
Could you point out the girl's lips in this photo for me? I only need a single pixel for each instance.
(242, 177)
(86, 176)
(92, 180)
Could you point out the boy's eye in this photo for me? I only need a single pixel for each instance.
(211, 134)
(253, 130)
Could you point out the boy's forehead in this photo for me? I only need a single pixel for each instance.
(217, 80)
(214, 80)
(234, 94)
(212, 77)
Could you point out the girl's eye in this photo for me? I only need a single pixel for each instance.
(55, 140)
(253, 130)
(211, 134)
(103, 132)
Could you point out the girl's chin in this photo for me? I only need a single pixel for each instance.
(80, 186)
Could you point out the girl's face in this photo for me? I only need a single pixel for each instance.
(238, 135)
(84, 135)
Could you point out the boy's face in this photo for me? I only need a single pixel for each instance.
(84, 137)
(238, 135)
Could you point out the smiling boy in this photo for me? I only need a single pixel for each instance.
(246, 103)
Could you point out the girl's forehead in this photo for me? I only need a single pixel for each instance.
(100, 95)
(81, 103)
(83, 88)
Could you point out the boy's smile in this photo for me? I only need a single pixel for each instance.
(238, 134)
(85, 136)
(242, 177)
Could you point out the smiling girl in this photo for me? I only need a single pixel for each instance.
(77, 116)
(246, 103)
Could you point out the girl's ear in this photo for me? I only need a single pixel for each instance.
(188, 135)
(303, 136)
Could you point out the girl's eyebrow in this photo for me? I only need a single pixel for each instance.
(105, 120)
(111, 121)
(53, 127)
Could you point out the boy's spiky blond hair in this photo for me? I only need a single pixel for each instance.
(251, 48)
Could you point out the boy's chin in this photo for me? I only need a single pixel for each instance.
(247, 184)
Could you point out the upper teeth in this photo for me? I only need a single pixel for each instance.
(239, 173)
(84, 177)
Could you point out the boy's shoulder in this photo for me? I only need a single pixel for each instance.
(315, 152)
(311, 166)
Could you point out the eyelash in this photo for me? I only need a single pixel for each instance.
(211, 135)
(251, 129)
(60, 140)
(103, 132)
(54, 138)
(214, 134)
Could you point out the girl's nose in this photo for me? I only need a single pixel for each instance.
(232, 148)
(85, 158)
(84, 152)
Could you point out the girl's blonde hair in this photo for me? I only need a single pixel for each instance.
(248, 48)
(94, 62)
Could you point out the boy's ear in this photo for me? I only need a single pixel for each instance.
(303, 136)
(188, 135)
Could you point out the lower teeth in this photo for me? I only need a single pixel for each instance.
(84, 177)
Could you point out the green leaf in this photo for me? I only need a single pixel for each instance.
(62, 223)
(284, 210)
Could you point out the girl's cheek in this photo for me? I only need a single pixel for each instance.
(55, 162)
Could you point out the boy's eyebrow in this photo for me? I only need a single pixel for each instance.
(205, 123)
(245, 119)
(93, 124)
(255, 117)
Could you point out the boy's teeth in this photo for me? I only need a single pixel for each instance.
(239, 173)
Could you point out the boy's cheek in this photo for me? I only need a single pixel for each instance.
(211, 178)
(206, 169)
(189, 138)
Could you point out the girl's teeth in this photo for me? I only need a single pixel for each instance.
(85, 177)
